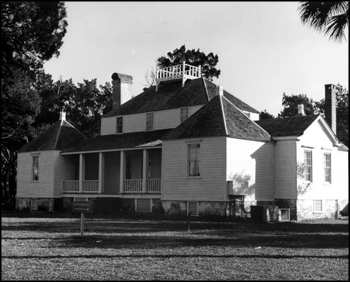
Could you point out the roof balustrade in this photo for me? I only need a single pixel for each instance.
(178, 72)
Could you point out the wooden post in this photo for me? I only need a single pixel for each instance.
(101, 172)
(81, 224)
(121, 175)
(144, 171)
(81, 172)
(189, 221)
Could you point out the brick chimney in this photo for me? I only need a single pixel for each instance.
(301, 111)
(62, 115)
(121, 89)
(330, 106)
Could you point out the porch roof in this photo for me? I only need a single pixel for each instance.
(119, 141)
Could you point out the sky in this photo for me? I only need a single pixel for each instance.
(264, 50)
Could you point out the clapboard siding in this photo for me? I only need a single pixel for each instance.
(254, 161)
(341, 178)
(320, 144)
(212, 184)
(137, 122)
(65, 169)
(285, 169)
(26, 187)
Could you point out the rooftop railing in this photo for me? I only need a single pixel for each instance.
(182, 71)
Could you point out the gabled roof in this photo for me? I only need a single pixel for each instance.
(293, 126)
(219, 117)
(119, 141)
(172, 95)
(59, 136)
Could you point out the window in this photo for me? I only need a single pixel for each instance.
(194, 160)
(327, 168)
(149, 121)
(308, 165)
(183, 114)
(318, 206)
(119, 127)
(35, 172)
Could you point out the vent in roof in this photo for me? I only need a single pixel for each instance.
(177, 72)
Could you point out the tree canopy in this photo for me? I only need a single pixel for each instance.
(290, 105)
(332, 18)
(31, 33)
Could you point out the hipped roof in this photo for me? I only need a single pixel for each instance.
(172, 95)
(219, 117)
(59, 136)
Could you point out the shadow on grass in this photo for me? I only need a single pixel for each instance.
(218, 229)
(178, 256)
(124, 234)
(173, 241)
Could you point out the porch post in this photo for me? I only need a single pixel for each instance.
(121, 179)
(101, 168)
(144, 171)
(81, 172)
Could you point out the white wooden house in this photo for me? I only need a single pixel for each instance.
(188, 146)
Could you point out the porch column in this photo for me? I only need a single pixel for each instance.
(81, 172)
(101, 169)
(121, 181)
(144, 171)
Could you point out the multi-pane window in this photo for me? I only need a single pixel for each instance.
(149, 121)
(119, 127)
(308, 165)
(327, 168)
(194, 160)
(35, 172)
(318, 206)
(183, 114)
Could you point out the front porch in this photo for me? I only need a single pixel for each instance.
(115, 172)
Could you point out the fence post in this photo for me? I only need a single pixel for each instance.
(188, 221)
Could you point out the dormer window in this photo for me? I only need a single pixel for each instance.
(183, 114)
(119, 125)
(149, 121)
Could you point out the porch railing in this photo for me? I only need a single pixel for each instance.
(73, 186)
(132, 185)
(70, 186)
(153, 185)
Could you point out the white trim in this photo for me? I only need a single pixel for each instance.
(111, 150)
(223, 114)
(284, 138)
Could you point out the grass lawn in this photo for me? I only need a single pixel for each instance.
(51, 248)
